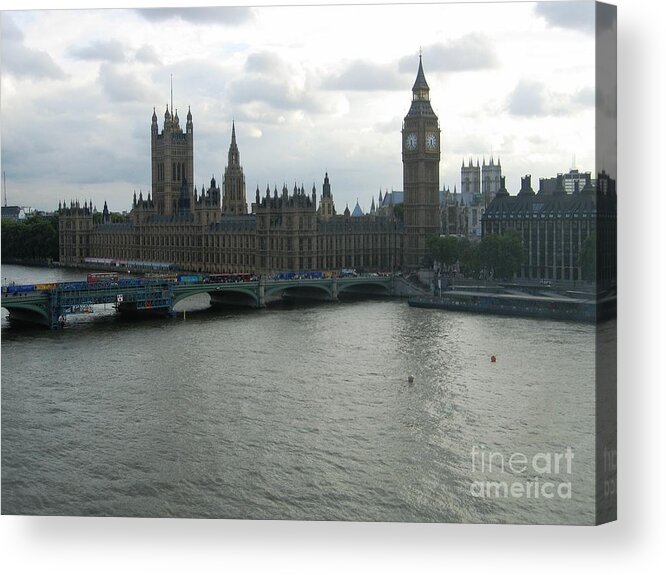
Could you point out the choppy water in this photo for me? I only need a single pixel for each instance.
(294, 413)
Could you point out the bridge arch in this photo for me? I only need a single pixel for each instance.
(32, 312)
(314, 289)
(367, 287)
(220, 293)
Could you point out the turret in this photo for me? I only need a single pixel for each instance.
(526, 186)
(503, 192)
(189, 126)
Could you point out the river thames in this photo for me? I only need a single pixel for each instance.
(299, 412)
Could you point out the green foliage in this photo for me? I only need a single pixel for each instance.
(470, 265)
(443, 249)
(501, 255)
(587, 258)
(35, 238)
(399, 212)
(117, 218)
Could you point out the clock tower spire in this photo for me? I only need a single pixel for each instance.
(420, 172)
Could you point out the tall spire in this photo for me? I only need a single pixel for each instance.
(172, 93)
(234, 159)
(421, 90)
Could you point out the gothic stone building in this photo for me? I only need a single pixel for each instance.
(211, 230)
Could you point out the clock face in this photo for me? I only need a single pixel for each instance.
(411, 142)
(431, 141)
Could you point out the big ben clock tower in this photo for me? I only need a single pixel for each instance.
(420, 171)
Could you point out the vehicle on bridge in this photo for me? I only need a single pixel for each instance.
(103, 278)
(288, 276)
(228, 278)
(17, 289)
(189, 279)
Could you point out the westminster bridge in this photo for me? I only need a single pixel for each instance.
(50, 304)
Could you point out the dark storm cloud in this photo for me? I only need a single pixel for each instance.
(530, 99)
(224, 15)
(104, 50)
(24, 62)
(468, 53)
(571, 15)
(365, 76)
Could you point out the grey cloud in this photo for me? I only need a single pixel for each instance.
(389, 127)
(224, 15)
(121, 87)
(265, 63)
(24, 62)
(585, 97)
(470, 52)
(76, 156)
(269, 80)
(571, 15)
(530, 99)
(203, 78)
(105, 50)
(364, 76)
(273, 91)
(147, 55)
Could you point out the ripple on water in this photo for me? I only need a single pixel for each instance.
(297, 413)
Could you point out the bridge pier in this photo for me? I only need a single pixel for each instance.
(261, 300)
(334, 289)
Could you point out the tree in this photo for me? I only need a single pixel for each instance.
(501, 254)
(36, 238)
(443, 249)
(399, 212)
(468, 256)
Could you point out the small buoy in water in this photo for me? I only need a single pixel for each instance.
(493, 359)
(410, 379)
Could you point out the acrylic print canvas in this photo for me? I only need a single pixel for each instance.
(310, 263)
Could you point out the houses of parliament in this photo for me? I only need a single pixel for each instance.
(210, 230)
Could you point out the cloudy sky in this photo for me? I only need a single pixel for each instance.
(311, 89)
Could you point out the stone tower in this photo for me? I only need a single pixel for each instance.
(172, 161)
(470, 179)
(490, 177)
(233, 200)
(326, 206)
(420, 169)
(75, 227)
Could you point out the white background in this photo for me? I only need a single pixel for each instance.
(632, 544)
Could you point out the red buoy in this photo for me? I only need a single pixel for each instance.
(493, 359)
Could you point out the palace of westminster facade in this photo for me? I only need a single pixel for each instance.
(212, 231)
